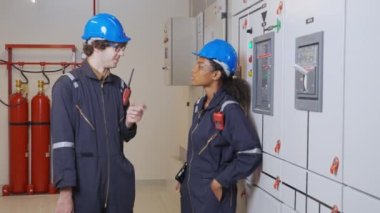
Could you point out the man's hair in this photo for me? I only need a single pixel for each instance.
(88, 48)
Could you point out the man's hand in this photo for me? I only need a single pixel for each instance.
(134, 114)
(65, 201)
(217, 189)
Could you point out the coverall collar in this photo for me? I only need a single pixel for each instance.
(216, 100)
(87, 69)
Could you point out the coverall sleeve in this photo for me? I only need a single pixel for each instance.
(245, 143)
(63, 134)
(128, 133)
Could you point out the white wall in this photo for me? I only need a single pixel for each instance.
(61, 22)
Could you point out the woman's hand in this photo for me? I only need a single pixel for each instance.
(217, 189)
(177, 186)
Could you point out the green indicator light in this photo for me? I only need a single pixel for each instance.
(250, 45)
(278, 24)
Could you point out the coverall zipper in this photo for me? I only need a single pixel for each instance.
(208, 142)
(231, 192)
(192, 156)
(107, 146)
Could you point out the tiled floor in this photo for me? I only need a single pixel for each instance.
(151, 196)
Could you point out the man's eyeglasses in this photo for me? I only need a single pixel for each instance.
(118, 46)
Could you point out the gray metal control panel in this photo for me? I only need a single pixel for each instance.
(263, 74)
(308, 72)
(179, 43)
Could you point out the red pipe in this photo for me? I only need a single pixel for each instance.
(20, 63)
(9, 68)
(10, 47)
(42, 46)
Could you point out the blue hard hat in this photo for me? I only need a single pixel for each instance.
(104, 26)
(222, 53)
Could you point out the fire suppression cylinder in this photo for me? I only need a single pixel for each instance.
(18, 141)
(40, 141)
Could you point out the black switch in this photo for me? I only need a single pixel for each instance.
(264, 15)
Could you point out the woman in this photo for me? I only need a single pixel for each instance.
(223, 146)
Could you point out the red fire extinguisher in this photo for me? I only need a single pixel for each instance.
(18, 141)
(40, 141)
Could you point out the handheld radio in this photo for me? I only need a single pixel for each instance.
(127, 91)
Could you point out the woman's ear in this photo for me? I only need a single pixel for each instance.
(216, 75)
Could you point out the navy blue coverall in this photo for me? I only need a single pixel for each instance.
(227, 156)
(88, 130)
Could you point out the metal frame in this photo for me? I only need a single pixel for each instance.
(10, 62)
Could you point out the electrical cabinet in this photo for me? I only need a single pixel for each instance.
(312, 206)
(260, 201)
(324, 192)
(200, 30)
(263, 77)
(361, 98)
(300, 203)
(266, 88)
(355, 201)
(271, 170)
(317, 139)
(215, 21)
(244, 50)
(308, 75)
(286, 209)
(179, 44)
(325, 129)
(240, 5)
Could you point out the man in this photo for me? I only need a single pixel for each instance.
(89, 125)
